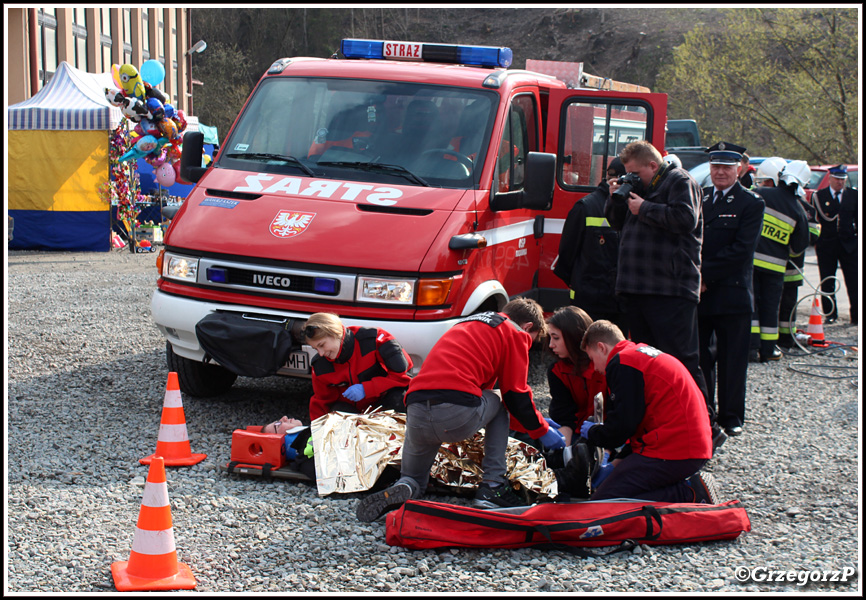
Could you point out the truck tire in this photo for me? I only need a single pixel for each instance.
(197, 378)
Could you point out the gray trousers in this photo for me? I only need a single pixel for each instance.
(429, 425)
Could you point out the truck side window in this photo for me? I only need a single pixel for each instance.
(519, 136)
(592, 135)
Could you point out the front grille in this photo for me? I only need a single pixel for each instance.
(298, 283)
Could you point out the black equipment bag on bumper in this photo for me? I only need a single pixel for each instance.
(248, 346)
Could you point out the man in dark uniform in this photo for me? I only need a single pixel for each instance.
(785, 232)
(588, 253)
(745, 172)
(732, 224)
(837, 214)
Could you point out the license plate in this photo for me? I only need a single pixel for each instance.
(299, 362)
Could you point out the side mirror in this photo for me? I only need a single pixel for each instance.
(537, 192)
(190, 157)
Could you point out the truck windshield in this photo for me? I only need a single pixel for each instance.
(362, 130)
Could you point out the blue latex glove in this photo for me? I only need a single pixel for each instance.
(603, 471)
(552, 439)
(355, 393)
(584, 429)
(552, 423)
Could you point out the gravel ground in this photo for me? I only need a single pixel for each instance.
(86, 379)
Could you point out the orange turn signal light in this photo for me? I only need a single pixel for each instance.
(433, 292)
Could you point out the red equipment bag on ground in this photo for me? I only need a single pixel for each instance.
(420, 524)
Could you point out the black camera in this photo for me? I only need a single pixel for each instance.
(628, 183)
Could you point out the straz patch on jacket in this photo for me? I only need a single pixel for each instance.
(491, 318)
(289, 223)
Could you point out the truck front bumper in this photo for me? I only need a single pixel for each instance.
(176, 316)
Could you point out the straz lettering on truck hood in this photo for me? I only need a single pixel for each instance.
(353, 191)
(320, 221)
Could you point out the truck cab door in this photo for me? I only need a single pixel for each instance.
(586, 129)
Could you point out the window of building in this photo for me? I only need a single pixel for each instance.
(174, 84)
(145, 35)
(79, 35)
(160, 40)
(46, 48)
(105, 37)
(127, 35)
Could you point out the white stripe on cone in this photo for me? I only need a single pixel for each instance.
(172, 433)
(153, 542)
(155, 494)
(173, 399)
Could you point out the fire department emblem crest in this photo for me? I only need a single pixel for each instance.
(290, 223)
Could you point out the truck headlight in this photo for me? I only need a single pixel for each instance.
(180, 267)
(389, 291)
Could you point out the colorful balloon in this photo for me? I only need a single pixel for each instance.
(114, 96)
(129, 80)
(133, 109)
(170, 112)
(180, 119)
(152, 72)
(156, 109)
(166, 175)
(167, 128)
(147, 144)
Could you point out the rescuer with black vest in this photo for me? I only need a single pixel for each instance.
(785, 233)
(837, 212)
(588, 254)
(356, 367)
(732, 224)
(657, 407)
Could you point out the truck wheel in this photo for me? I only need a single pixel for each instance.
(197, 378)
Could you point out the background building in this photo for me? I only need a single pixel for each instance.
(92, 39)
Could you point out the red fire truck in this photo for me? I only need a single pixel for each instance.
(403, 185)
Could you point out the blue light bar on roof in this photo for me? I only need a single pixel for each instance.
(481, 56)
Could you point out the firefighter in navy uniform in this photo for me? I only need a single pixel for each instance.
(588, 254)
(785, 232)
(837, 214)
(732, 224)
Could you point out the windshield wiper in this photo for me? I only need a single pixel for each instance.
(283, 158)
(397, 170)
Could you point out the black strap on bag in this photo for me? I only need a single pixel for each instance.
(624, 546)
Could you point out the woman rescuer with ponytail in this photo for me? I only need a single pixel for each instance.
(572, 380)
(356, 367)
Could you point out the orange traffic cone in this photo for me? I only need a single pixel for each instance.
(152, 563)
(816, 326)
(172, 442)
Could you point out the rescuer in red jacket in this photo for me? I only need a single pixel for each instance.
(453, 397)
(572, 380)
(357, 367)
(656, 406)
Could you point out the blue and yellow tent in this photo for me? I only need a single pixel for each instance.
(57, 159)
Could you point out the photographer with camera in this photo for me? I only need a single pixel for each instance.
(657, 208)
